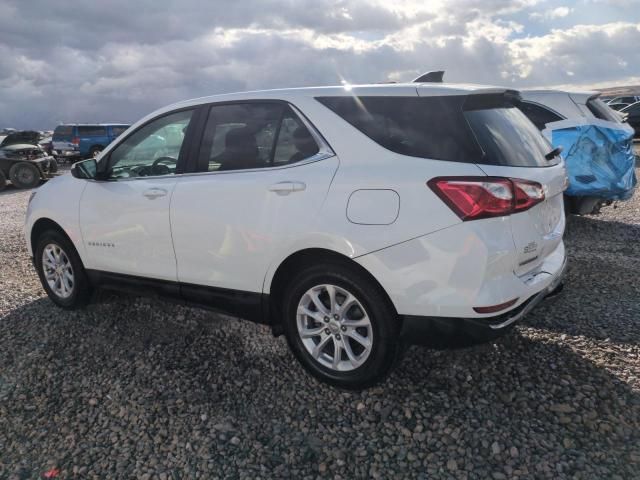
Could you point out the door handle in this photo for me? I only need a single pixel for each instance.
(154, 193)
(285, 188)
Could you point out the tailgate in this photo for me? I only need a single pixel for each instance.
(537, 232)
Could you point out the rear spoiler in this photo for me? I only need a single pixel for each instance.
(482, 101)
(435, 76)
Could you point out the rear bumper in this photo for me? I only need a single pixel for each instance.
(441, 332)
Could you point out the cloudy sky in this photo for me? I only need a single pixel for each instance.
(84, 61)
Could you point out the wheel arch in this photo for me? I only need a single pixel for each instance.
(42, 225)
(302, 259)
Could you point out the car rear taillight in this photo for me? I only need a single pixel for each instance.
(472, 198)
(527, 194)
(75, 141)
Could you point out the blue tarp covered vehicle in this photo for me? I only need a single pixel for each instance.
(600, 160)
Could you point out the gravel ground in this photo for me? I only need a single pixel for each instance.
(133, 388)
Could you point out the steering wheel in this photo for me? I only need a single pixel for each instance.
(158, 166)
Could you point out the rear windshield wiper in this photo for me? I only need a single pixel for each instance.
(553, 153)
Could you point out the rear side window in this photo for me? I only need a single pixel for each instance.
(63, 130)
(428, 127)
(484, 129)
(254, 135)
(92, 131)
(538, 114)
(601, 110)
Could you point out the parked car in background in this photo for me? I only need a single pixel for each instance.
(353, 220)
(632, 117)
(46, 143)
(596, 145)
(626, 99)
(23, 161)
(79, 141)
(618, 106)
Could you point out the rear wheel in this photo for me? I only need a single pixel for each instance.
(61, 271)
(24, 175)
(340, 326)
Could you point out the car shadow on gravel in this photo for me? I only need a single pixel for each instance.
(600, 298)
(132, 382)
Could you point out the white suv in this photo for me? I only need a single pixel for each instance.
(352, 219)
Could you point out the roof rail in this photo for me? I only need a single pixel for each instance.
(435, 76)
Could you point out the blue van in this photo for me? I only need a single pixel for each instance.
(84, 140)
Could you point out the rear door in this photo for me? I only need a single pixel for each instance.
(264, 174)
(514, 148)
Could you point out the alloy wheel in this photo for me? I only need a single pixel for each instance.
(334, 327)
(57, 270)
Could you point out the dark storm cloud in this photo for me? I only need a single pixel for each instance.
(78, 61)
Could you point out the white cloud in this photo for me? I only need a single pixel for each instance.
(558, 12)
(145, 54)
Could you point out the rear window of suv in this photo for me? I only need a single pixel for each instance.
(485, 129)
(63, 130)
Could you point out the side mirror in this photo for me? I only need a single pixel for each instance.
(86, 169)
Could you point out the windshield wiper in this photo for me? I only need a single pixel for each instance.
(553, 153)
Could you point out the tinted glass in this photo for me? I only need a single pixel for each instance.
(428, 127)
(538, 115)
(633, 109)
(63, 130)
(295, 142)
(601, 110)
(508, 138)
(118, 130)
(253, 135)
(92, 131)
(443, 128)
(152, 150)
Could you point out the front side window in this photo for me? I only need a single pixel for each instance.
(152, 150)
(254, 135)
(538, 115)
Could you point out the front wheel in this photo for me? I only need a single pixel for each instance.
(340, 326)
(61, 271)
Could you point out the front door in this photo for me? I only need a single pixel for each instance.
(125, 218)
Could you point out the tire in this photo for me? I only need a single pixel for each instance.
(95, 150)
(360, 368)
(79, 289)
(53, 166)
(24, 175)
(3, 181)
